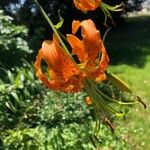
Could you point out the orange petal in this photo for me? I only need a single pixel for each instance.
(58, 60)
(104, 58)
(102, 66)
(88, 100)
(91, 40)
(77, 47)
(89, 48)
(39, 73)
(65, 75)
(86, 5)
(75, 26)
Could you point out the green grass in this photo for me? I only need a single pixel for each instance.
(129, 51)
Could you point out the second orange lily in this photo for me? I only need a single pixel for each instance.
(89, 5)
(86, 5)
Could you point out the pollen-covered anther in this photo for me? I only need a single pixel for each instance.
(88, 100)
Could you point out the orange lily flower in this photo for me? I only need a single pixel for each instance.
(86, 5)
(65, 74)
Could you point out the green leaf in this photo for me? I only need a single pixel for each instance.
(118, 82)
(61, 21)
(10, 106)
(10, 76)
(15, 97)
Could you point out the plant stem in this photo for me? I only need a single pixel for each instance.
(52, 27)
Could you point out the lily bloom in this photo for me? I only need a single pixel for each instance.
(63, 73)
(86, 5)
(89, 5)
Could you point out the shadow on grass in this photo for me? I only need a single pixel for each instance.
(130, 43)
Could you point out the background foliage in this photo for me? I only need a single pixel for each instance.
(38, 28)
(29, 110)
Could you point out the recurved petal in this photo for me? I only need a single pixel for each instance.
(51, 84)
(64, 74)
(103, 64)
(75, 26)
(91, 40)
(58, 60)
(77, 47)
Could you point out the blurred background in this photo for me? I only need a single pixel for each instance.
(33, 117)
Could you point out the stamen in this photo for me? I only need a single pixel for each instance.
(108, 122)
(140, 100)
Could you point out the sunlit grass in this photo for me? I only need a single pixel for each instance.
(130, 60)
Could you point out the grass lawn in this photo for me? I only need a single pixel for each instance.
(129, 51)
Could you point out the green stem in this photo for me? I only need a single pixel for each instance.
(111, 8)
(52, 26)
(62, 36)
(98, 98)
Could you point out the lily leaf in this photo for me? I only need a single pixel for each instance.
(118, 82)
(61, 21)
